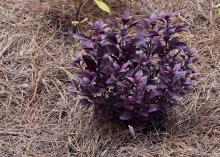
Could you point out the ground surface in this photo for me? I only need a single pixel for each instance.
(39, 118)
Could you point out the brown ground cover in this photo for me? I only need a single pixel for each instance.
(38, 117)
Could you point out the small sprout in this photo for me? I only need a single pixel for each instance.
(77, 23)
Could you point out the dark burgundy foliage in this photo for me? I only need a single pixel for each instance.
(134, 71)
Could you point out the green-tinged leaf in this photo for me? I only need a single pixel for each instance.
(102, 5)
(218, 8)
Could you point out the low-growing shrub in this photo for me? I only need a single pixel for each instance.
(133, 70)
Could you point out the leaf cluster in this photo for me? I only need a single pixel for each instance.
(134, 70)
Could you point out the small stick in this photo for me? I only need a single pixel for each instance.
(78, 10)
(7, 133)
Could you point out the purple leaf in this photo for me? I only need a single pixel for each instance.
(181, 28)
(121, 84)
(151, 87)
(126, 104)
(169, 69)
(118, 105)
(85, 92)
(76, 61)
(154, 94)
(134, 23)
(138, 41)
(90, 63)
(141, 59)
(153, 18)
(132, 132)
(177, 67)
(81, 37)
(190, 70)
(180, 74)
(167, 16)
(188, 82)
(193, 60)
(131, 79)
(98, 26)
(87, 74)
(125, 67)
(191, 51)
(112, 22)
(143, 81)
(144, 22)
(111, 38)
(126, 17)
(127, 115)
(152, 33)
(85, 81)
(171, 30)
(180, 45)
(110, 80)
(85, 102)
(87, 45)
(153, 108)
(75, 84)
(93, 82)
(175, 43)
(139, 74)
(116, 66)
(78, 58)
(107, 70)
(145, 114)
(107, 49)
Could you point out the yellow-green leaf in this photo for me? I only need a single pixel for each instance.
(102, 5)
(218, 8)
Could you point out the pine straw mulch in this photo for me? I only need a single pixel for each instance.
(38, 117)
